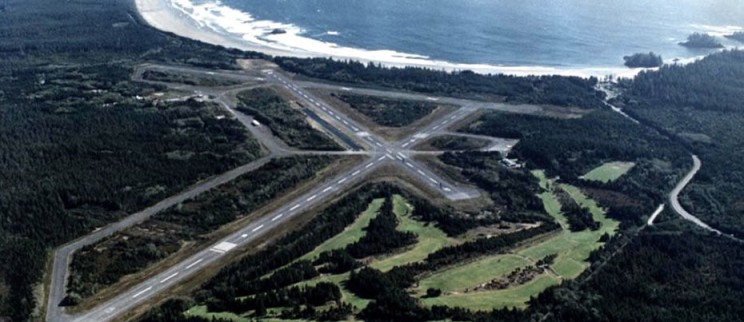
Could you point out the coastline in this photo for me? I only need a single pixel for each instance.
(160, 14)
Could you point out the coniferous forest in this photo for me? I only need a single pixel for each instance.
(82, 148)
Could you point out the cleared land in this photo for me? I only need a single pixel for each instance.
(609, 171)
(453, 143)
(195, 80)
(572, 250)
(386, 111)
(377, 123)
(287, 123)
(430, 238)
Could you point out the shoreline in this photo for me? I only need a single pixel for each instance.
(161, 15)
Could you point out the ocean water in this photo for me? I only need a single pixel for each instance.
(553, 33)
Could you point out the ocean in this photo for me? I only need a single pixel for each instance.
(551, 33)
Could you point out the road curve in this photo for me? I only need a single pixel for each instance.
(674, 197)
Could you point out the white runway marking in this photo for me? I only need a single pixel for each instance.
(378, 143)
(327, 189)
(382, 158)
(194, 263)
(405, 144)
(342, 180)
(277, 217)
(369, 165)
(355, 129)
(345, 123)
(432, 180)
(169, 277)
(447, 189)
(295, 207)
(142, 292)
(243, 235)
(410, 165)
(311, 198)
(257, 228)
(355, 173)
(223, 247)
(421, 172)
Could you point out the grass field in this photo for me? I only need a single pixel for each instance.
(572, 249)
(201, 311)
(609, 171)
(472, 274)
(351, 234)
(513, 297)
(430, 238)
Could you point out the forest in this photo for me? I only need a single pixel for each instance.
(551, 90)
(700, 106)
(79, 150)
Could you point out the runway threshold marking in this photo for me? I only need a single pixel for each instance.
(169, 277)
(142, 292)
(194, 263)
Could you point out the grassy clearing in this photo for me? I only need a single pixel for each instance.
(513, 297)
(472, 274)
(201, 311)
(430, 238)
(352, 233)
(609, 171)
(572, 249)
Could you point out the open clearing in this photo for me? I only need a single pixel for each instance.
(351, 234)
(513, 297)
(609, 171)
(430, 238)
(572, 248)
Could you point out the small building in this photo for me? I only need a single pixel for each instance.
(509, 163)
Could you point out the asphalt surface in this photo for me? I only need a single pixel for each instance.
(674, 197)
(380, 153)
(377, 144)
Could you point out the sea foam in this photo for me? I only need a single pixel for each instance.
(291, 40)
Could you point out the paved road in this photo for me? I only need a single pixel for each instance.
(674, 197)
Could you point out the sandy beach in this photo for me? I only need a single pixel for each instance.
(162, 15)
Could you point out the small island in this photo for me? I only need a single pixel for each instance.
(701, 40)
(278, 31)
(738, 36)
(643, 60)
